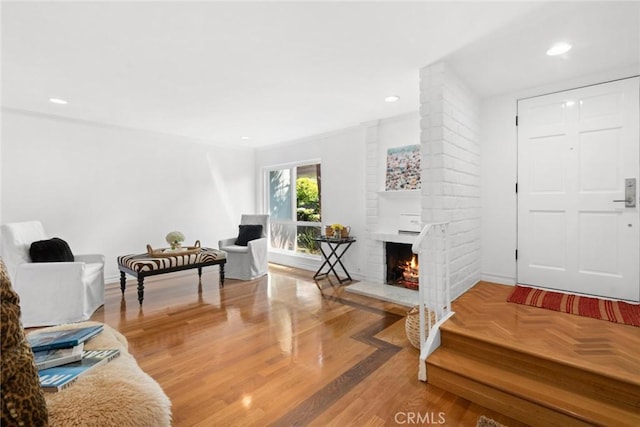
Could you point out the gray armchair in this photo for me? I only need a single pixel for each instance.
(250, 261)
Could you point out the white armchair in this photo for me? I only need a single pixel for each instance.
(247, 262)
(51, 293)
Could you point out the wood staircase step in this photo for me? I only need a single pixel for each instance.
(563, 372)
(540, 367)
(520, 395)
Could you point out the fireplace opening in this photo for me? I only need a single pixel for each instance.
(402, 265)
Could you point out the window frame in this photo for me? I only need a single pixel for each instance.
(292, 166)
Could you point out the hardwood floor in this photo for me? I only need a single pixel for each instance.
(278, 351)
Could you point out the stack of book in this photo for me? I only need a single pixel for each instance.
(61, 358)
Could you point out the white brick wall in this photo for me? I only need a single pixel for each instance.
(374, 269)
(451, 168)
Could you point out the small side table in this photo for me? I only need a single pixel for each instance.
(337, 248)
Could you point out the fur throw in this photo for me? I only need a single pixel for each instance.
(118, 394)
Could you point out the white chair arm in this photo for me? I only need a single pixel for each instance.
(226, 242)
(51, 267)
(53, 282)
(258, 245)
(90, 258)
(49, 272)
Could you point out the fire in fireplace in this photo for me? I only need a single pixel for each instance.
(402, 265)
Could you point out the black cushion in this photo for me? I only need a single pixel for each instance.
(52, 250)
(247, 233)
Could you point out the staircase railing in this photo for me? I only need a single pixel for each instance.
(432, 247)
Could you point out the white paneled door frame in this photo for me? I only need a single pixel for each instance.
(578, 216)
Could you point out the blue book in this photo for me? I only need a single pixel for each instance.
(55, 379)
(59, 356)
(49, 340)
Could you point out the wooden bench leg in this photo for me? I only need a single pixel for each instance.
(222, 275)
(140, 289)
(123, 282)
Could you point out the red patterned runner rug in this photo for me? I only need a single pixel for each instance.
(613, 311)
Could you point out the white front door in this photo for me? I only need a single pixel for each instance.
(576, 149)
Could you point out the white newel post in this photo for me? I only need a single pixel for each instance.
(433, 249)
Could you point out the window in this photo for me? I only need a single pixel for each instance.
(294, 204)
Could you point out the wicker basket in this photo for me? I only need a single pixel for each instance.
(412, 325)
(167, 252)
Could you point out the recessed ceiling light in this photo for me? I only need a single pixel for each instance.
(58, 101)
(244, 137)
(559, 49)
(392, 98)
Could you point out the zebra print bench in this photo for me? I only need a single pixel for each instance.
(143, 265)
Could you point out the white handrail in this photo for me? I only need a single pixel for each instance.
(423, 235)
(432, 247)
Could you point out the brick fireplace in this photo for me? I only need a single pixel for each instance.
(397, 264)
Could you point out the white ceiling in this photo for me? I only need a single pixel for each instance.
(604, 35)
(279, 71)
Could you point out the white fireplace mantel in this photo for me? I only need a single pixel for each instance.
(408, 238)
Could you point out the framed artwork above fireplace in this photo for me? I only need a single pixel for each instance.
(403, 168)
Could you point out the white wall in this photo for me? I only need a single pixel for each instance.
(112, 190)
(499, 173)
(498, 178)
(1, 136)
(393, 132)
(341, 154)
(1, 174)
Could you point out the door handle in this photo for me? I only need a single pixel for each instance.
(629, 193)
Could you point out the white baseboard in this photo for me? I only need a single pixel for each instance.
(304, 263)
(112, 280)
(498, 278)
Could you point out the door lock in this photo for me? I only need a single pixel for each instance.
(629, 193)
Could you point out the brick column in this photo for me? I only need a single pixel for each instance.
(374, 266)
(451, 168)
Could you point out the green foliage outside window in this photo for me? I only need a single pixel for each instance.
(306, 242)
(308, 202)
